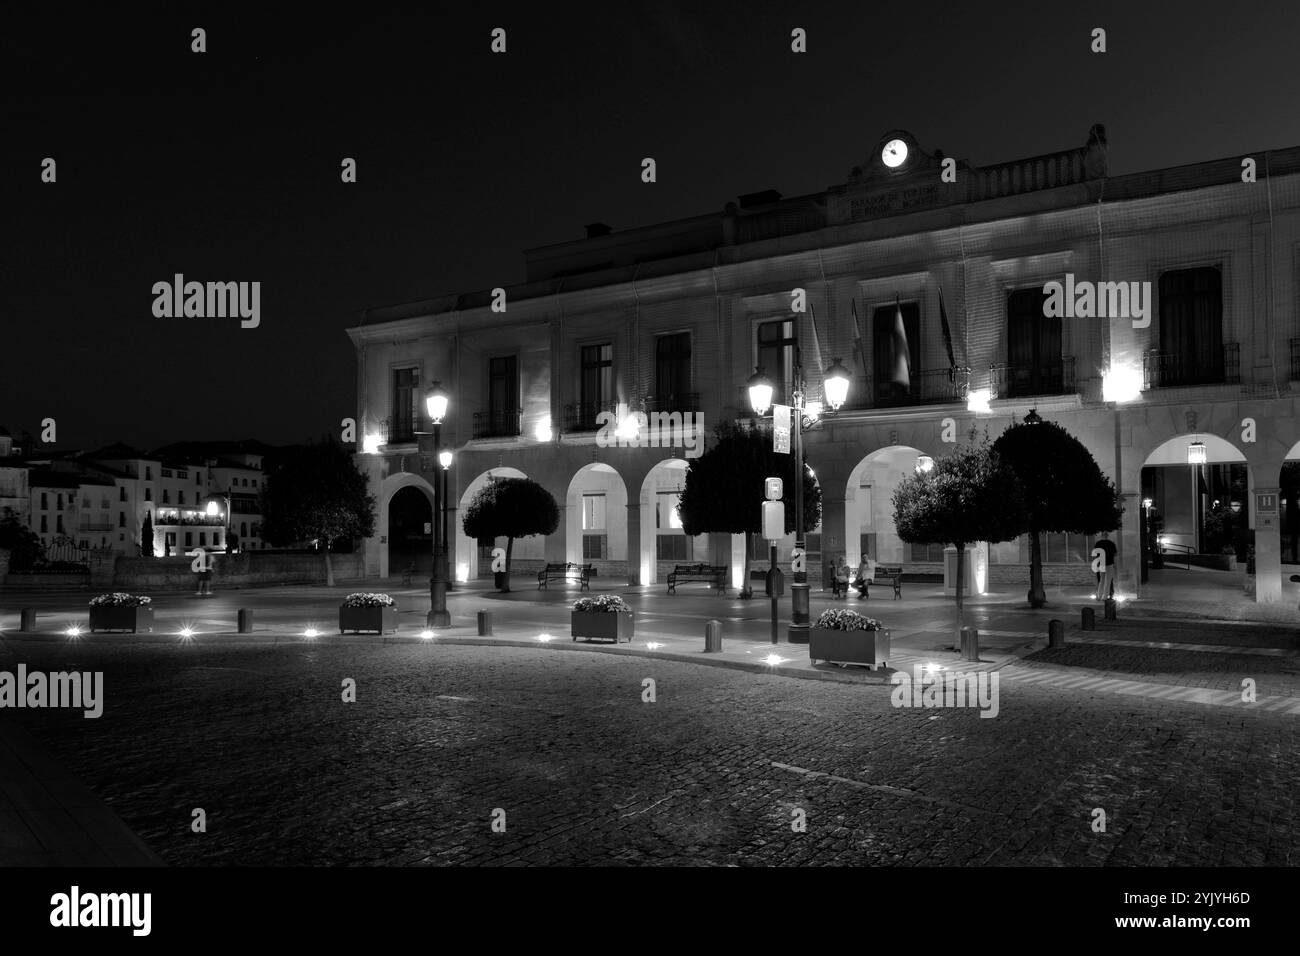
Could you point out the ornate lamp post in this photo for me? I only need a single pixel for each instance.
(806, 415)
(445, 459)
(436, 403)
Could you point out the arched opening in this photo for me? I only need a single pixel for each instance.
(410, 533)
(596, 521)
(473, 559)
(1196, 520)
(869, 511)
(663, 541)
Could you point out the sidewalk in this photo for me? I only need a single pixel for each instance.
(48, 818)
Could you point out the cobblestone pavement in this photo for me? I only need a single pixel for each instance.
(711, 773)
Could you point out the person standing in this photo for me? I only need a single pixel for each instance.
(1106, 580)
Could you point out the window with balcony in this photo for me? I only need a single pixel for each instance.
(121, 519)
(45, 524)
(58, 502)
(673, 374)
(886, 347)
(121, 493)
(180, 497)
(406, 405)
(776, 343)
(58, 524)
(1192, 350)
(1035, 365)
(502, 417)
(148, 473)
(595, 387)
(148, 494)
(45, 501)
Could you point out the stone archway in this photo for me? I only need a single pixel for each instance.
(387, 491)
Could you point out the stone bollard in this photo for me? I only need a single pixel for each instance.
(970, 644)
(28, 625)
(1088, 619)
(485, 623)
(1110, 609)
(245, 621)
(713, 637)
(1056, 633)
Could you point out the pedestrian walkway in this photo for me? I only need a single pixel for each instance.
(47, 818)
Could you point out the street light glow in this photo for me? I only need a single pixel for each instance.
(370, 444)
(435, 401)
(978, 400)
(1121, 383)
(213, 509)
(760, 392)
(311, 632)
(772, 660)
(444, 459)
(1196, 453)
(837, 384)
(923, 464)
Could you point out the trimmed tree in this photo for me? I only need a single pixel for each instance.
(146, 536)
(724, 487)
(511, 508)
(23, 544)
(317, 494)
(969, 495)
(1064, 489)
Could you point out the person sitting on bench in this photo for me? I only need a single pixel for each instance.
(866, 573)
(840, 582)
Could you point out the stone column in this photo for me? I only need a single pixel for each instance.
(634, 544)
(556, 546)
(833, 541)
(1267, 512)
(1129, 544)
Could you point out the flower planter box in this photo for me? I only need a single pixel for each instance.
(613, 626)
(381, 620)
(849, 647)
(118, 618)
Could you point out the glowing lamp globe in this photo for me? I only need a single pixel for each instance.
(837, 384)
(760, 392)
(435, 400)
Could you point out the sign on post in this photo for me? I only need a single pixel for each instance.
(773, 520)
(773, 488)
(781, 429)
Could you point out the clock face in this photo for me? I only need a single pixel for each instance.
(894, 154)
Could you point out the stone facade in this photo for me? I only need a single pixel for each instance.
(961, 253)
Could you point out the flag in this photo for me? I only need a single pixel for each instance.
(857, 340)
(902, 359)
(817, 349)
(947, 338)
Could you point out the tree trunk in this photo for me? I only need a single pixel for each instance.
(510, 548)
(1037, 595)
(329, 568)
(961, 574)
(746, 589)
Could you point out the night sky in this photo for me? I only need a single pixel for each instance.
(224, 166)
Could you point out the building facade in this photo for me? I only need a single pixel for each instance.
(1171, 334)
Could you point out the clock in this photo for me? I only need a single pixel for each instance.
(894, 154)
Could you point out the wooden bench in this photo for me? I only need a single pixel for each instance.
(888, 575)
(566, 572)
(714, 574)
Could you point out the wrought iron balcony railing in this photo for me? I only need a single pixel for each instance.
(1295, 360)
(1025, 381)
(929, 387)
(1172, 370)
(681, 402)
(497, 424)
(582, 416)
(398, 431)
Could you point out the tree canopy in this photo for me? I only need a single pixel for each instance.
(1064, 487)
(724, 486)
(511, 508)
(316, 493)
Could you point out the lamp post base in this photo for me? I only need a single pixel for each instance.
(438, 615)
(799, 626)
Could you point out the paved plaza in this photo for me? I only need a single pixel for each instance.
(1143, 719)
